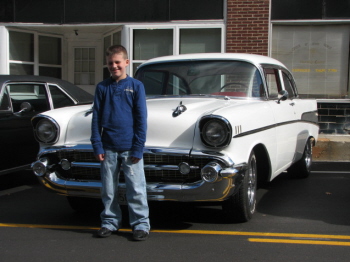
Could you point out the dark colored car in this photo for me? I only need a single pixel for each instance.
(22, 97)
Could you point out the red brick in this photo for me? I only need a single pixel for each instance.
(247, 26)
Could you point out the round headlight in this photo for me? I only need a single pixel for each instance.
(215, 133)
(46, 131)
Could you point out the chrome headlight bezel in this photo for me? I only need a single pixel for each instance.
(215, 131)
(46, 130)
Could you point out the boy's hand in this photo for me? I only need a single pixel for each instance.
(135, 160)
(100, 157)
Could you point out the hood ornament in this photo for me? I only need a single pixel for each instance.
(179, 110)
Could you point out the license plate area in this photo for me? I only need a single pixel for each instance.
(122, 196)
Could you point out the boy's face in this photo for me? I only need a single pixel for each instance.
(117, 66)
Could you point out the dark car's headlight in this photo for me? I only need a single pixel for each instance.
(215, 131)
(46, 131)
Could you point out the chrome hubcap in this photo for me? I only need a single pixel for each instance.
(252, 185)
(308, 155)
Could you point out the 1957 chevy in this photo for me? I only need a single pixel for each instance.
(218, 126)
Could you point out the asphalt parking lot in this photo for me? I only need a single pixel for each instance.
(295, 220)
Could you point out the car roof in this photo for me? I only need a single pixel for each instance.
(251, 58)
(76, 92)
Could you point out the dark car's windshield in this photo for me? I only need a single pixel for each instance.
(226, 78)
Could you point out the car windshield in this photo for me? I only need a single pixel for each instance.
(220, 78)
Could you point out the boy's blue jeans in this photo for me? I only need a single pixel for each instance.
(136, 193)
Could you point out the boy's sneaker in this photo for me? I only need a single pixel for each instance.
(104, 232)
(140, 235)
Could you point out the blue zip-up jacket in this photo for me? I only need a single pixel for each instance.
(119, 120)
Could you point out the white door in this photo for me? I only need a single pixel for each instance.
(285, 118)
(84, 65)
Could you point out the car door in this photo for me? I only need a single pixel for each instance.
(18, 146)
(285, 120)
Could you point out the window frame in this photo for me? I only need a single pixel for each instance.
(111, 42)
(176, 37)
(36, 65)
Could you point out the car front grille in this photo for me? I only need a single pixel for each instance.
(160, 175)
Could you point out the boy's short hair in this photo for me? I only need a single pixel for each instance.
(117, 49)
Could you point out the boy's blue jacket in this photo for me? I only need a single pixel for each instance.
(119, 120)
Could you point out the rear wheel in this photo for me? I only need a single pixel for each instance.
(241, 206)
(301, 168)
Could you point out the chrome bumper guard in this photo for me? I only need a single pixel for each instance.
(225, 182)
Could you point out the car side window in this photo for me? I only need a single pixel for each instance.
(59, 98)
(288, 85)
(4, 100)
(35, 94)
(273, 83)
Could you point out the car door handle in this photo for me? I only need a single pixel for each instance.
(292, 104)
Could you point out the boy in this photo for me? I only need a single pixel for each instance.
(118, 134)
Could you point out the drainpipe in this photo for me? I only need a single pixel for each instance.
(4, 51)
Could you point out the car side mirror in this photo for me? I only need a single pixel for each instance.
(25, 107)
(282, 96)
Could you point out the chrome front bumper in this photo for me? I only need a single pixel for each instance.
(228, 180)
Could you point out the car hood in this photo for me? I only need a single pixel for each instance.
(164, 128)
(169, 126)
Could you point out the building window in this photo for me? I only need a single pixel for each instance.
(84, 66)
(21, 53)
(30, 55)
(112, 39)
(318, 57)
(154, 41)
(50, 56)
(200, 40)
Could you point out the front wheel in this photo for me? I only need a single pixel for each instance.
(302, 168)
(240, 207)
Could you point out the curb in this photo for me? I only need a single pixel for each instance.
(332, 148)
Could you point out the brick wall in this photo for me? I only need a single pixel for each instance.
(247, 26)
(334, 118)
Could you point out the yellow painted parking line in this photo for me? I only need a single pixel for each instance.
(47, 226)
(310, 238)
(304, 242)
(266, 234)
(55, 227)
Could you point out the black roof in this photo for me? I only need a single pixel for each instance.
(80, 95)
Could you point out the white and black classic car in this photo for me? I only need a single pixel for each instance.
(218, 126)
(21, 98)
